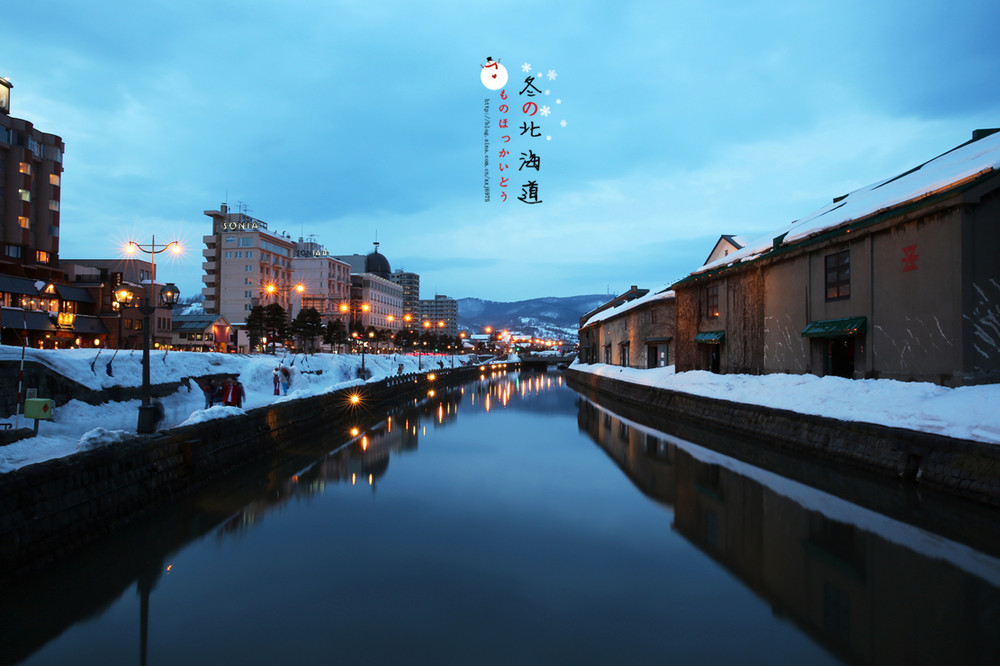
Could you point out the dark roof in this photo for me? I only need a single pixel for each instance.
(89, 325)
(196, 322)
(10, 284)
(377, 263)
(76, 294)
(33, 320)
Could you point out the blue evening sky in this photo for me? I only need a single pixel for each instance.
(684, 120)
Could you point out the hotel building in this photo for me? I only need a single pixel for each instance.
(242, 257)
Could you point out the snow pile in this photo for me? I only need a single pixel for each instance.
(100, 437)
(78, 426)
(968, 412)
(661, 294)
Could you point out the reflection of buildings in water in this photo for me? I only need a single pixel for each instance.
(365, 460)
(40, 608)
(868, 598)
(646, 459)
(497, 389)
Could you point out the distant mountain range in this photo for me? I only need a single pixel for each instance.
(552, 318)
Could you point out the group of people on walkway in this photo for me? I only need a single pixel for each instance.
(229, 392)
(282, 379)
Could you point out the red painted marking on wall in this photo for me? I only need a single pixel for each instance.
(910, 258)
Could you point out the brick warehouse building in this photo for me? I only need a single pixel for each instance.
(896, 280)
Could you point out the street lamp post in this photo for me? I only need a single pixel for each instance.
(272, 289)
(427, 328)
(354, 309)
(123, 296)
(168, 298)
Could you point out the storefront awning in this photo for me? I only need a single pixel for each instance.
(33, 320)
(710, 337)
(835, 328)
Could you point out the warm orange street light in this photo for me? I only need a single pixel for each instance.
(272, 288)
(168, 298)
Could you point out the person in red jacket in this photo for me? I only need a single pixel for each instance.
(232, 393)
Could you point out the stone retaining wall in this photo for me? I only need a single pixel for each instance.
(960, 467)
(49, 509)
(62, 389)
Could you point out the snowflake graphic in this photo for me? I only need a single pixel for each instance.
(538, 75)
(562, 123)
(525, 68)
(558, 101)
(545, 111)
(548, 92)
(548, 138)
(552, 75)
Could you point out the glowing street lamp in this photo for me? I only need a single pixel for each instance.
(363, 343)
(354, 308)
(271, 289)
(168, 298)
(123, 297)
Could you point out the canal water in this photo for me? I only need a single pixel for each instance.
(513, 521)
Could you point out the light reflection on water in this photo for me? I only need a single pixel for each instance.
(500, 533)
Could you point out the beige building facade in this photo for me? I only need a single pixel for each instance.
(243, 257)
(326, 280)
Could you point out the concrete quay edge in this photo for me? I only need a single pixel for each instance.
(959, 467)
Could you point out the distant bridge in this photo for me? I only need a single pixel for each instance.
(533, 362)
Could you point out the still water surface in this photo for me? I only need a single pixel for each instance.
(510, 521)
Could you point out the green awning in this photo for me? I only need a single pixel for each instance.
(835, 328)
(710, 337)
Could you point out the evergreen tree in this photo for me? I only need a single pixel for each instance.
(255, 326)
(276, 323)
(308, 326)
(335, 333)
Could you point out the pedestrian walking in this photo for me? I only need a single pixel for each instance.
(241, 394)
(277, 380)
(232, 393)
(208, 388)
(286, 380)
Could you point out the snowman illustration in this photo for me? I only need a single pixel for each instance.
(494, 75)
